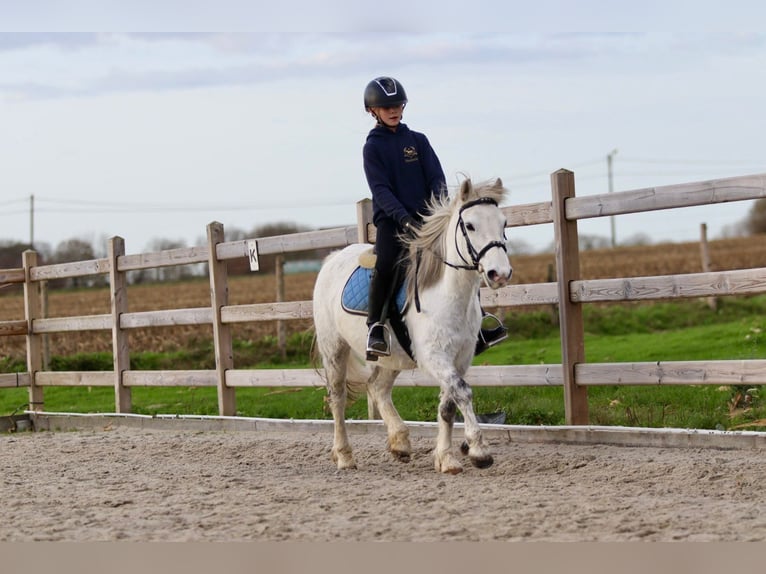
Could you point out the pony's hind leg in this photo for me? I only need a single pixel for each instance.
(335, 368)
(380, 384)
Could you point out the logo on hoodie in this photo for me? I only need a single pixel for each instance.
(410, 154)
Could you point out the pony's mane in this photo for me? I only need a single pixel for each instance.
(429, 244)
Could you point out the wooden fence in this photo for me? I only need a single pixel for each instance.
(569, 293)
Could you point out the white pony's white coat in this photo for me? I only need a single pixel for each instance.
(443, 332)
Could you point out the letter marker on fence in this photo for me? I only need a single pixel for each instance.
(252, 254)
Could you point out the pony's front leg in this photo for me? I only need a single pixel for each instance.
(474, 446)
(457, 394)
(444, 459)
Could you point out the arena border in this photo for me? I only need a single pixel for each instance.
(569, 434)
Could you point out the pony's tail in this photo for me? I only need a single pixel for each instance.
(315, 358)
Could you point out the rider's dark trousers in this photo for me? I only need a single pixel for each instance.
(388, 250)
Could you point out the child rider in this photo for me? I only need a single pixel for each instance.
(403, 173)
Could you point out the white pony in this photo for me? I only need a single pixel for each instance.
(461, 243)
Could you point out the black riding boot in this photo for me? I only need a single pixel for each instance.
(377, 343)
(492, 334)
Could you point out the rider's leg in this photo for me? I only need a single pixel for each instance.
(387, 250)
(377, 345)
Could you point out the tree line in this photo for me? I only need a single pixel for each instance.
(76, 249)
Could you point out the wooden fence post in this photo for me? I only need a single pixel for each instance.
(712, 302)
(45, 341)
(32, 311)
(123, 400)
(571, 322)
(279, 273)
(363, 223)
(363, 220)
(219, 297)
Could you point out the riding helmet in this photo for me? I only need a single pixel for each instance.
(384, 92)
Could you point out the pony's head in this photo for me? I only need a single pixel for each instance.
(482, 223)
(464, 232)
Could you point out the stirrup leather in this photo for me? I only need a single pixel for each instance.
(374, 348)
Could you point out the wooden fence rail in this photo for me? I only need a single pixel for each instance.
(568, 293)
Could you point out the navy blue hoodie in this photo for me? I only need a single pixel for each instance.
(402, 171)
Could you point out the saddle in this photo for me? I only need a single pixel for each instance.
(355, 300)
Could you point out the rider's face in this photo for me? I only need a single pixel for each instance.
(390, 116)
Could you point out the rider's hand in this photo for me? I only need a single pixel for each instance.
(410, 226)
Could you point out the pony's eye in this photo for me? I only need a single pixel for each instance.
(470, 227)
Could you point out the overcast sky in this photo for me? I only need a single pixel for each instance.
(155, 135)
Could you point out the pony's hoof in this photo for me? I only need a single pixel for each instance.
(344, 465)
(344, 461)
(399, 446)
(448, 465)
(482, 462)
(401, 456)
(464, 447)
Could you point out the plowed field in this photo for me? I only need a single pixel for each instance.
(740, 253)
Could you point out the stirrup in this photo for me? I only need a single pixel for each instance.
(378, 346)
(492, 336)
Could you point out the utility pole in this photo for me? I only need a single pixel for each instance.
(32, 221)
(609, 158)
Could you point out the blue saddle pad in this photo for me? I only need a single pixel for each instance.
(356, 291)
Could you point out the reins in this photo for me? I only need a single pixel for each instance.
(475, 256)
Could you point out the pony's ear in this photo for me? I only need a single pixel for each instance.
(499, 189)
(465, 189)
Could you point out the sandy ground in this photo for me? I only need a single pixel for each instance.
(166, 485)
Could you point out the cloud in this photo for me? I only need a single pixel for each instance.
(333, 16)
(89, 64)
(15, 41)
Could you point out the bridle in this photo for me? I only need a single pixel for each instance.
(472, 252)
(475, 255)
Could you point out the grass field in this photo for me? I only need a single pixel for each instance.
(734, 332)
(686, 330)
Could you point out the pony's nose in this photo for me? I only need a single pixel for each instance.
(500, 279)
